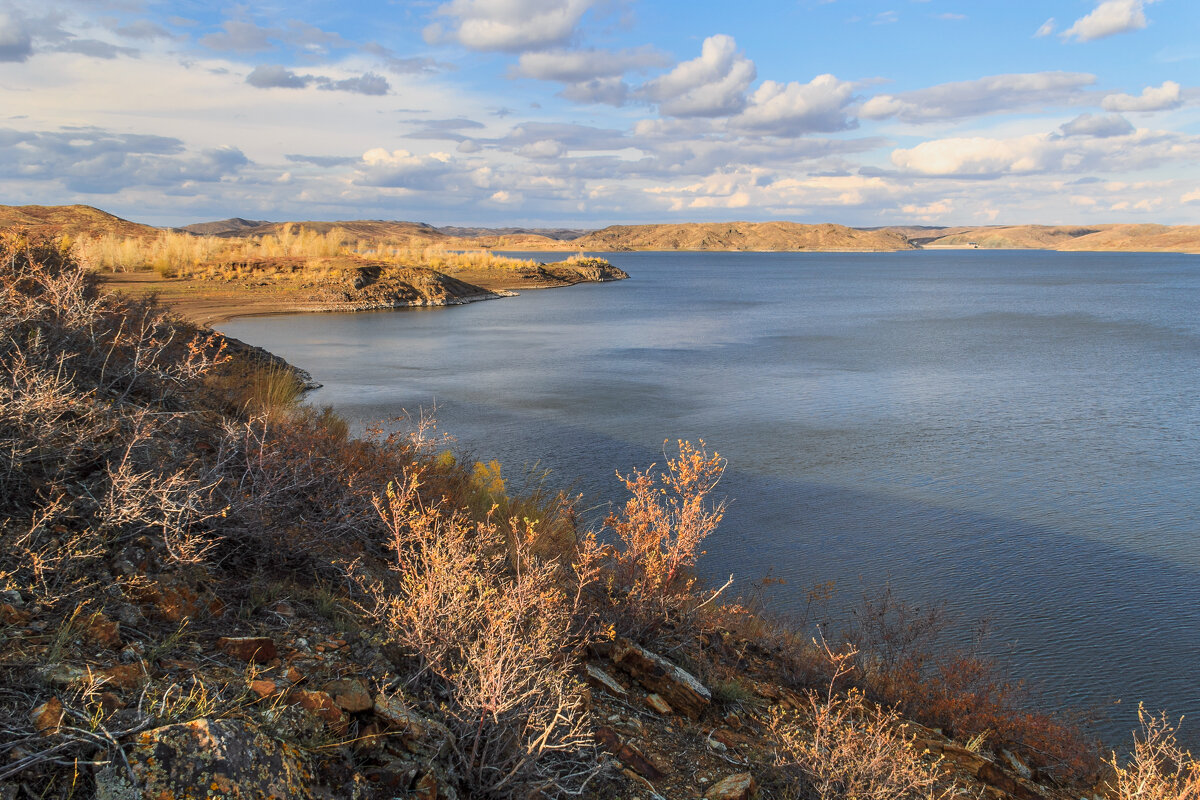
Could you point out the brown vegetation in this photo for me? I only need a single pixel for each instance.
(780, 236)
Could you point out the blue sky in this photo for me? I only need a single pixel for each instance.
(591, 112)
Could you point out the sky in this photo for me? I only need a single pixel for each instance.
(584, 113)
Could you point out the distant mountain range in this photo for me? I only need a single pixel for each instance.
(81, 220)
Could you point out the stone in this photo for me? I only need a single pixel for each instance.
(740, 786)
(658, 705)
(627, 753)
(599, 677)
(678, 687)
(103, 632)
(212, 758)
(416, 731)
(121, 676)
(350, 695)
(11, 615)
(47, 718)
(426, 787)
(1006, 782)
(263, 689)
(259, 649)
(321, 705)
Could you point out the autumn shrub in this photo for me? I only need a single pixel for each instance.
(494, 627)
(841, 747)
(655, 541)
(1158, 768)
(902, 661)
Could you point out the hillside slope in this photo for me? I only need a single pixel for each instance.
(740, 236)
(73, 220)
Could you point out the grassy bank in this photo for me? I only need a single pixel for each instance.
(207, 589)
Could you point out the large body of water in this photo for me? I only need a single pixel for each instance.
(1015, 434)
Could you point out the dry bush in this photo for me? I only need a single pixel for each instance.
(843, 748)
(902, 662)
(95, 448)
(498, 633)
(649, 580)
(1159, 769)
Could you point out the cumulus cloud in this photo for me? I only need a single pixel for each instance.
(574, 66)
(95, 161)
(795, 108)
(712, 85)
(1107, 19)
(610, 91)
(1161, 98)
(1046, 29)
(275, 76)
(402, 169)
(15, 42)
(542, 149)
(1101, 126)
(990, 95)
(1046, 153)
(510, 25)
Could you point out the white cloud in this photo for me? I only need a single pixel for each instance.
(573, 66)
(1046, 29)
(1190, 197)
(1152, 98)
(990, 95)
(274, 76)
(712, 85)
(795, 108)
(401, 169)
(542, 149)
(1102, 126)
(509, 24)
(610, 91)
(1046, 153)
(15, 41)
(1108, 18)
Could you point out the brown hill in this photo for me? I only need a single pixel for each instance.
(1163, 238)
(395, 232)
(1111, 237)
(75, 220)
(740, 236)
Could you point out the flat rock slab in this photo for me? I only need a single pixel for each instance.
(682, 691)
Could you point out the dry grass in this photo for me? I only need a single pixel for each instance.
(1158, 769)
(444, 260)
(182, 254)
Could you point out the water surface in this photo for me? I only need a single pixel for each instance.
(1013, 433)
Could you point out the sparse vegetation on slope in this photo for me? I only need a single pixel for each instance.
(208, 589)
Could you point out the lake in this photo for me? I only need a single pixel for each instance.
(1013, 433)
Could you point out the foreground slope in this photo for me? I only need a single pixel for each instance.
(209, 591)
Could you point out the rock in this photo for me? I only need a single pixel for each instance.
(47, 718)
(11, 615)
(657, 704)
(740, 786)
(103, 632)
(627, 754)
(259, 649)
(349, 695)
(993, 775)
(415, 730)
(600, 678)
(426, 787)
(262, 689)
(121, 676)
(283, 608)
(679, 688)
(212, 758)
(321, 705)
(1016, 764)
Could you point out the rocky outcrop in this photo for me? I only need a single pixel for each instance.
(208, 758)
(679, 688)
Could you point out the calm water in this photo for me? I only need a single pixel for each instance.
(1015, 434)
